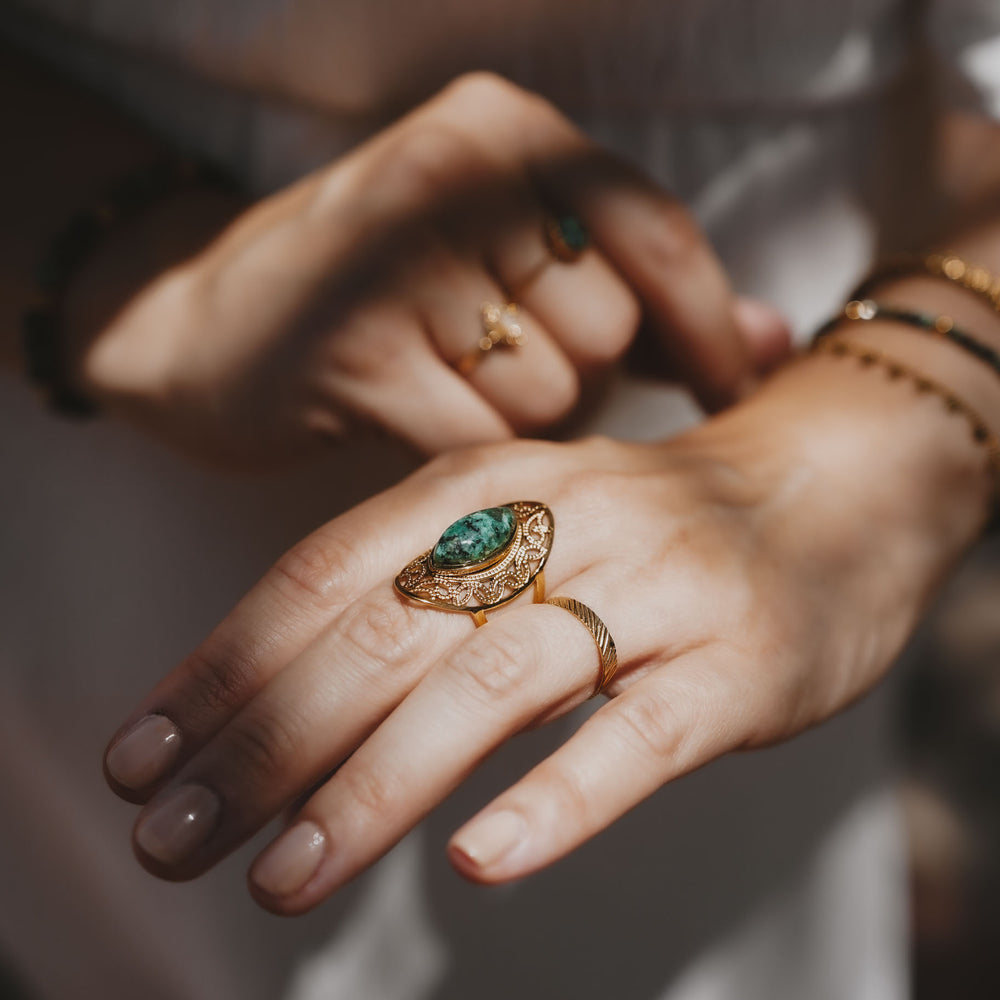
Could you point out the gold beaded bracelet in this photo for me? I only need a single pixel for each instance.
(948, 266)
(869, 356)
(867, 310)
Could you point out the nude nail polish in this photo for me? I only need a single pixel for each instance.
(145, 753)
(291, 861)
(177, 823)
(487, 840)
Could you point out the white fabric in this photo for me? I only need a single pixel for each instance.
(967, 34)
(776, 874)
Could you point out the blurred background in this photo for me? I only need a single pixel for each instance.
(950, 726)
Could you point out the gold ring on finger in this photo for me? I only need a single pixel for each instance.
(602, 636)
(501, 327)
(566, 237)
(483, 561)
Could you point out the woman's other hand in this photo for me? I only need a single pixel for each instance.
(355, 295)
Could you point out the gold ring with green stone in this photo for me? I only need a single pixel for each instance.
(566, 237)
(483, 561)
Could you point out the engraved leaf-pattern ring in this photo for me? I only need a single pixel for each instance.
(483, 561)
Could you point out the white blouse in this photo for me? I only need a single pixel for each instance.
(777, 874)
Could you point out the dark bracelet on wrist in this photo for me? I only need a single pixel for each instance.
(42, 323)
(866, 310)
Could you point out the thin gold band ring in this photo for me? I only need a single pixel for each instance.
(605, 644)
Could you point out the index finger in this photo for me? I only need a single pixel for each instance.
(302, 593)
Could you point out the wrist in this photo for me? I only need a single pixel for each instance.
(867, 460)
(114, 348)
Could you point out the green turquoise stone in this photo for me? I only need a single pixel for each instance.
(573, 232)
(475, 538)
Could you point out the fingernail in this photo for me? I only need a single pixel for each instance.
(485, 841)
(178, 823)
(145, 753)
(291, 861)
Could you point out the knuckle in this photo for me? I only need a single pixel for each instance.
(368, 791)
(651, 725)
(383, 637)
(487, 89)
(496, 671)
(590, 486)
(262, 744)
(220, 677)
(484, 85)
(428, 158)
(316, 568)
(460, 463)
(487, 467)
(564, 789)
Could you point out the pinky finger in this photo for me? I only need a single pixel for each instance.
(670, 722)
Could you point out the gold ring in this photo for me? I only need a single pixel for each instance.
(483, 561)
(566, 237)
(501, 328)
(597, 628)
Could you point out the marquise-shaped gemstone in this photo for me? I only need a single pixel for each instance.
(475, 538)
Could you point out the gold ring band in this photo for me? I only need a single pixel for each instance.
(566, 237)
(605, 644)
(501, 328)
(483, 561)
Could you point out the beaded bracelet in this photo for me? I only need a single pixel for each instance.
(981, 433)
(42, 322)
(948, 266)
(866, 310)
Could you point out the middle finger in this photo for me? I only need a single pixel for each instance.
(307, 720)
(531, 385)
(530, 662)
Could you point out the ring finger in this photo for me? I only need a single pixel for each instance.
(531, 384)
(571, 288)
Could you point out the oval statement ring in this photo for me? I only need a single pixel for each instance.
(483, 561)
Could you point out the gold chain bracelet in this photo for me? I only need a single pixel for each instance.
(948, 266)
(868, 356)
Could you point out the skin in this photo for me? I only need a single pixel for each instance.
(741, 625)
(347, 299)
(777, 557)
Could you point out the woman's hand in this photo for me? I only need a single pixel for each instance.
(757, 575)
(354, 295)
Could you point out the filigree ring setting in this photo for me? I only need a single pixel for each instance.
(483, 561)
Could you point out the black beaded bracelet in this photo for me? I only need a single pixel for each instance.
(42, 322)
(861, 310)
